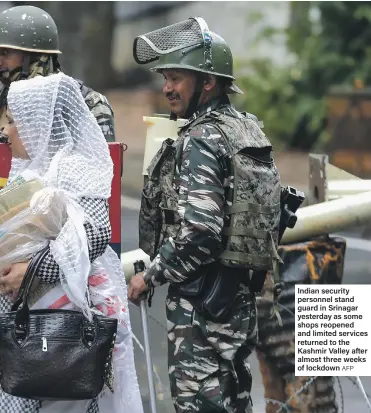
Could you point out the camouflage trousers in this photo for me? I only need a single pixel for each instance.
(208, 366)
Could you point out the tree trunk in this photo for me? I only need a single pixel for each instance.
(300, 26)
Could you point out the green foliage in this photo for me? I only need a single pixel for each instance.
(290, 99)
(270, 95)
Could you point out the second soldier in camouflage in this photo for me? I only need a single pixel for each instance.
(28, 48)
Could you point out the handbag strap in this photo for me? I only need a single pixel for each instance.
(28, 279)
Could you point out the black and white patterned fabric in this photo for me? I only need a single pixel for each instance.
(5, 305)
(99, 235)
(11, 404)
(93, 407)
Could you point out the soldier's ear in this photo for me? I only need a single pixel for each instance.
(209, 82)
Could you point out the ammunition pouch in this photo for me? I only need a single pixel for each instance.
(214, 293)
(257, 281)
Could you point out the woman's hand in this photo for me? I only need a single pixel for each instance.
(11, 279)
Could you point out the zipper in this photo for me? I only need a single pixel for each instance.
(45, 344)
(44, 341)
(51, 339)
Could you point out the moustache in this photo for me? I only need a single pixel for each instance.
(172, 95)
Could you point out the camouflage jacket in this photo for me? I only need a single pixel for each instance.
(103, 113)
(101, 109)
(97, 103)
(196, 173)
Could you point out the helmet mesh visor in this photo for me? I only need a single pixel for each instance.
(148, 47)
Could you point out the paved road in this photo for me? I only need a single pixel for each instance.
(357, 271)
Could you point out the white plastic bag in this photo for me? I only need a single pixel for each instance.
(31, 216)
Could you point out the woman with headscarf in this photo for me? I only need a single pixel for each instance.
(53, 135)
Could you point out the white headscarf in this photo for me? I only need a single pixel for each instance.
(61, 136)
(68, 152)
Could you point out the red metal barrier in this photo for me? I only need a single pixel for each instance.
(116, 151)
(5, 158)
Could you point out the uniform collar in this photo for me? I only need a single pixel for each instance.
(209, 107)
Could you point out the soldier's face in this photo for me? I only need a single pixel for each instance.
(16, 145)
(178, 88)
(10, 58)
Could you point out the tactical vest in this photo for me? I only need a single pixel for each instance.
(158, 217)
(250, 233)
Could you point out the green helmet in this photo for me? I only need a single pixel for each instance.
(30, 29)
(187, 45)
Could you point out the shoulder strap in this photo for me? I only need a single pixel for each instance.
(204, 118)
(84, 89)
(29, 277)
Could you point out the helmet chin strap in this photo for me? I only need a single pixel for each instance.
(194, 101)
(25, 66)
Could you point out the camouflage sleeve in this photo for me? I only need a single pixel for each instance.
(201, 208)
(103, 113)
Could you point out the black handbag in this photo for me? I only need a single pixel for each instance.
(53, 354)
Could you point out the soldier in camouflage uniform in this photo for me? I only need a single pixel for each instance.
(209, 220)
(29, 46)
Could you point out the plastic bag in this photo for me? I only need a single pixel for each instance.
(30, 216)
